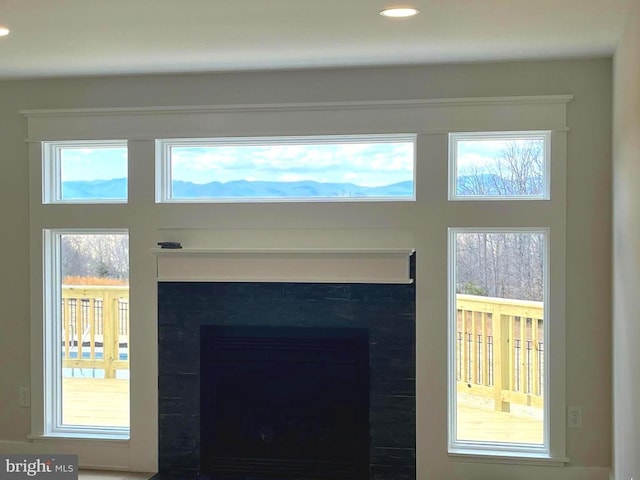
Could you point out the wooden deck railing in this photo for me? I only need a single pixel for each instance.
(95, 328)
(500, 350)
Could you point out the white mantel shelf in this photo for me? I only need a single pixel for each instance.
(282, 251)
(300, 265)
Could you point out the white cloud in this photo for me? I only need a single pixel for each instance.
(364, 164)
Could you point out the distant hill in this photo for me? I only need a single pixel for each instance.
(301, 189)
(117, 188)
(100, 189)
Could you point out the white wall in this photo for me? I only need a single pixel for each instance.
(588, 215)
(626, 253)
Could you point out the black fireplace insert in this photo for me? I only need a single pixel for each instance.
(284, 402)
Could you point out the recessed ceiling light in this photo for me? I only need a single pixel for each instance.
(4, 31)
(399, 12)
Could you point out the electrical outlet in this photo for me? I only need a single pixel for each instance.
(574, 417)
(24, 397)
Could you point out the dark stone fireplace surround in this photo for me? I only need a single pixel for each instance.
(386, 310)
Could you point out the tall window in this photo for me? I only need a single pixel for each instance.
(87, 330)
(498, 328)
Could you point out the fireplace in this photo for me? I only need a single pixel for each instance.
(212, 423)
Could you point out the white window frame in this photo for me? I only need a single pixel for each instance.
(52, 326)
(456, 137)
(485, 447)
(163, 164)
(52, 170)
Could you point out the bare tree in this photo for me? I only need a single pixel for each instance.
(519, 168)
(505, 265)
(95, 255)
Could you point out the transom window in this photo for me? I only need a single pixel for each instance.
(85, 172)
(499, 166)
(319, 168)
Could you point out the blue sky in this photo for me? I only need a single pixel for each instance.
(476, 156)
(367, 164)
(102, 163)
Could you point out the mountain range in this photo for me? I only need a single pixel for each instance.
(117, 189)
(487, 184)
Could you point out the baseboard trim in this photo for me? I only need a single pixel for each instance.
(16, 448)
(95, 456)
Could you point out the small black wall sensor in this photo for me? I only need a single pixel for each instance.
(170, 245)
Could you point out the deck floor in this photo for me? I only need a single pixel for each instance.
(95, 401)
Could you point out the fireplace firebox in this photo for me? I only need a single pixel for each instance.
(284, 402)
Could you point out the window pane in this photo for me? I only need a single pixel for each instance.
(329, 168)
(499, 337)
(500, 166)
(85, 172)
(95, 329)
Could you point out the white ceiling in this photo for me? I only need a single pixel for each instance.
(97, 37)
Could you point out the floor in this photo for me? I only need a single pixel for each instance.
(104, 475)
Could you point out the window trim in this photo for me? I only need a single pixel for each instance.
(52, 351)
(456, 137)
(551, 451)
(163, 164)
(52, 174)
(222, 226)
